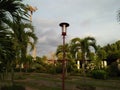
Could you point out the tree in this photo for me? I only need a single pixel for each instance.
(68, 58)
(28, 62)
(84, 45)
(10, 9)
(75, 49)
(75, 46)
(7, 51)
(113, 51)
(11, 13)
(23, 35)
(101, 56)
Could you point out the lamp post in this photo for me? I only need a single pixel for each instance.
(64, 26)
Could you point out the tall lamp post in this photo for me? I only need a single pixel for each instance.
(64, 26)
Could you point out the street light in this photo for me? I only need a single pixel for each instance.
(64, 26)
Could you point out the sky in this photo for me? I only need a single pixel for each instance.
(95, 18)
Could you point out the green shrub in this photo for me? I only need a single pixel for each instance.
(113, 70)
(76, 72)
(99, 74)
(51, 69)
(30, 70)
(58, 68)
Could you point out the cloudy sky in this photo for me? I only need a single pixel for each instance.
(97, 18)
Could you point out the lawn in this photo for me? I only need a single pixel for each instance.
(41, 81)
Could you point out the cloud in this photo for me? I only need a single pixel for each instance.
(86, 17)
(48, 39)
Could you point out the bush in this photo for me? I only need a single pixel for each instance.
(51, 69)
(99, 74)
(113, 70)
(30, 70)
(58, 68)
(76, 72)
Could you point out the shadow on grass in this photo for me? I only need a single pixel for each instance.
(13, 87)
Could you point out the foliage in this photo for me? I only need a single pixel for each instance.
(14, 39)
(99, 74)
(90, 66)
(112, 51)
(58, 68)
(113, 70)
(59, 51)
(40, 68)
(71, 66)
(12, 9)
(101, 53)
(113, 56)
(77, 49)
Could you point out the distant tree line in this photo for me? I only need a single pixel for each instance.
(91, 56)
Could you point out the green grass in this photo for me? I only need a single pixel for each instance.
(13, 87)
(40, 81)
(111, 84)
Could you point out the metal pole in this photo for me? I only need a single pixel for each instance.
(63, 65)
(63, 25)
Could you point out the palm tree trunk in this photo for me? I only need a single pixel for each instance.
(83, 67)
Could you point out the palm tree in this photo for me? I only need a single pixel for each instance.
(22, 34)
(7, 52)
(82, 45)
(101, 55)
(86, 45)
(59, 54)
(12, 9)
(75, 46)
(28, 62)
(75, 50)
(60, 51)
